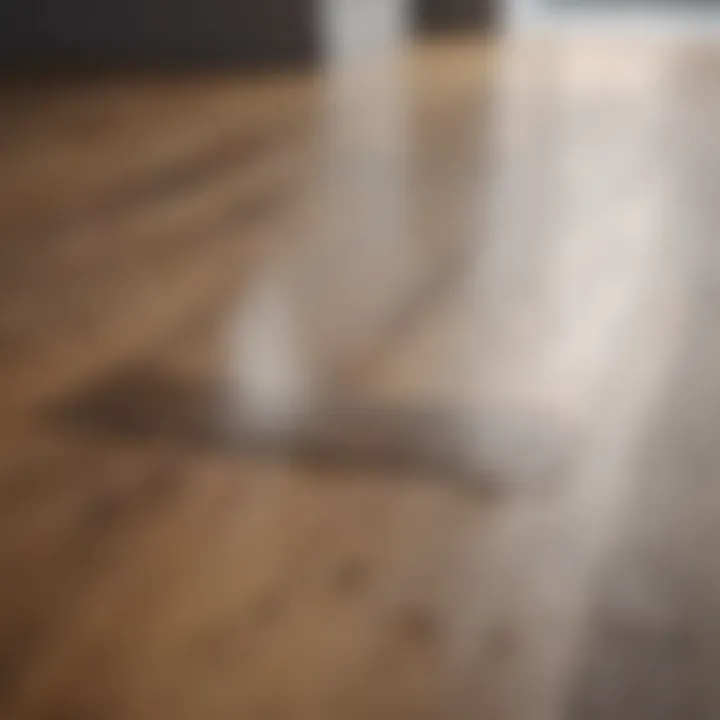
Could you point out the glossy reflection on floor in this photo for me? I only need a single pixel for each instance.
(382, 392)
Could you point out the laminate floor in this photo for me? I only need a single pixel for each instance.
(388, 391)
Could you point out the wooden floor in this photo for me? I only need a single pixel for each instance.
(388, 392)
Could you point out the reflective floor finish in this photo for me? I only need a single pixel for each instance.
(384, 392)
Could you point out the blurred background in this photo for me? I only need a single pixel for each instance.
(357, 359)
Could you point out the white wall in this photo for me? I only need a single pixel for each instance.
(352, 26)
(669, 21)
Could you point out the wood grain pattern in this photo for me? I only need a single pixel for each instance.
(495, 257)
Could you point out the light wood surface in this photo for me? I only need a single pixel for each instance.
(384, 392)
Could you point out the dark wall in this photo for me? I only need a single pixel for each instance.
(455, 14)
(158, 30)
(193, 31)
